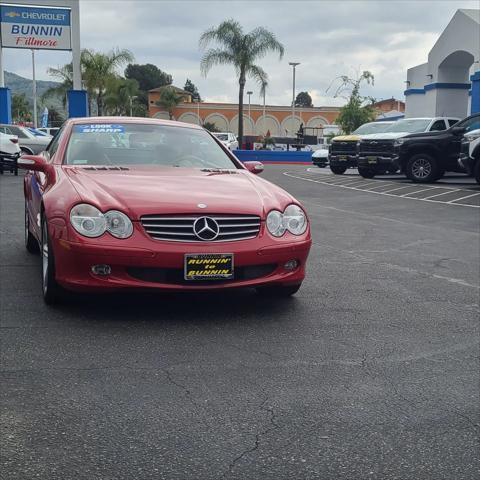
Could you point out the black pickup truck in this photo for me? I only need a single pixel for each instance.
(425, 157)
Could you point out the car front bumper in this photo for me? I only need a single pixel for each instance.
(343, 160)
(150, 264)
(376, 160)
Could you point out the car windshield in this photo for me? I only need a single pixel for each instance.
(414, 125)
(223, 137)
(368, 128)
(131, 144)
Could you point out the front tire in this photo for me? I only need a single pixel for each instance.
(366, 172)
(422, 168)
(338, 170)
(279, 291)
(52, 292)
(31, 243)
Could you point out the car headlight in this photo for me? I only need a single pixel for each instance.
(275, 223)
(88, 220)
(118, 224)
(472, 137)
(398, 142)
(292, 219)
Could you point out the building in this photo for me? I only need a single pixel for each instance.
(389, 109)
(277, 120)
(449, 83)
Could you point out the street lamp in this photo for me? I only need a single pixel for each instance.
(249, 93)
(294, 65)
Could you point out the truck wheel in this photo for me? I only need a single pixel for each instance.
(422, 168)
(338, 170)
(476, 170)
(366, 172)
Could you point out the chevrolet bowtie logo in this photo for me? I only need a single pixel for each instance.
(12, 14)
(206, 228)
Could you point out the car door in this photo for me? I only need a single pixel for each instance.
(455, 142)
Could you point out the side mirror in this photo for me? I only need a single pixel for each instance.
(254, 167)
(458, 130)
(33, 162)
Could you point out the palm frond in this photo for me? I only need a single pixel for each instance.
(258, 74)
(216, 56)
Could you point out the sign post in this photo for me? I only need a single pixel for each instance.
(54, 25)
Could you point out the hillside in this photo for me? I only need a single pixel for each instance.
(19, 85)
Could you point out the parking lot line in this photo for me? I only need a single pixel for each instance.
(443, 193)
(463, 198)
(395, 189)
(419, 191)
(369, 190)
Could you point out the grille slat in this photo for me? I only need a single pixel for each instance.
(180, 228)
(369, 146)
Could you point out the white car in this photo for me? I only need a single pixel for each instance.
(228, 139)
(52, 131)
(470, 153)
(9, 152)
(320, 156)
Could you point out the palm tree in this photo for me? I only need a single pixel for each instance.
(65, 75)
(100, 68)
(241, 50)
(120, 94)
(169, 99)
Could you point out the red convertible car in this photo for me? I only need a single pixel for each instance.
(118, 204)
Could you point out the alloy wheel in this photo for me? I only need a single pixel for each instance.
(421, 168)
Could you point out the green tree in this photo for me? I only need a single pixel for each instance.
(121, 95)
(358, 109)
(148, 77)
(99, 69)
(21, 109)
(65, 75)
(169, 99)
(211, 127)
(242, 50)
(303, 99)
(191, 88)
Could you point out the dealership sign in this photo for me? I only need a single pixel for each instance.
(35, 27)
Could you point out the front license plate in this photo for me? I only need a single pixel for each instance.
(208, 266)
(342, 158)
(372, 159)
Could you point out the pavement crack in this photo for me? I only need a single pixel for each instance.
(258, 436)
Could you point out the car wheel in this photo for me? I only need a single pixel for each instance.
(52, 292)
(279, 291)
(366, 172)
(31, 243)
(476, 170)
(26, 151)
(338, 170)
(422, 168)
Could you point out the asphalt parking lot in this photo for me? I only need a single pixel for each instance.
(369, 372)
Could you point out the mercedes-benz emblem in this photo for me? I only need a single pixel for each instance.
(206, 228)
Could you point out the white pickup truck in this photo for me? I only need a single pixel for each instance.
(9, 153)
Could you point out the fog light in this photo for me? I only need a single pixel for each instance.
(102, 269)
(290, 265)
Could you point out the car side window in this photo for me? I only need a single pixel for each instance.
(438, 126)
(452, 122)
(53, 146)
(18, 132)
(471, 123)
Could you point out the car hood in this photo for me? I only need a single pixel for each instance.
(385, 136)
(346, 138)
(143, 191)
(320, 153)
(426, 134)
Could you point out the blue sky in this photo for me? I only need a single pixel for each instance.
(329, 38)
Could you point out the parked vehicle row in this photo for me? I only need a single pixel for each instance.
(30, 142)
(422, 148)
(9, 152)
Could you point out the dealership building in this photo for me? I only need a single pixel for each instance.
(449, 83)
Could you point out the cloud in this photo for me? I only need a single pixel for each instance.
(329, 38)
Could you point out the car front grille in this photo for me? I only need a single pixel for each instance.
(343, 147)
(180, 228)
(374, 146)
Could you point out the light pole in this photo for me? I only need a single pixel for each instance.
(131, 104)
(249, 93)
(34, 88)
(294, 65)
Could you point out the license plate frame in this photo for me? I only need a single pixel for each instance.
(205, 269)
(342, 158)
(372, 160)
